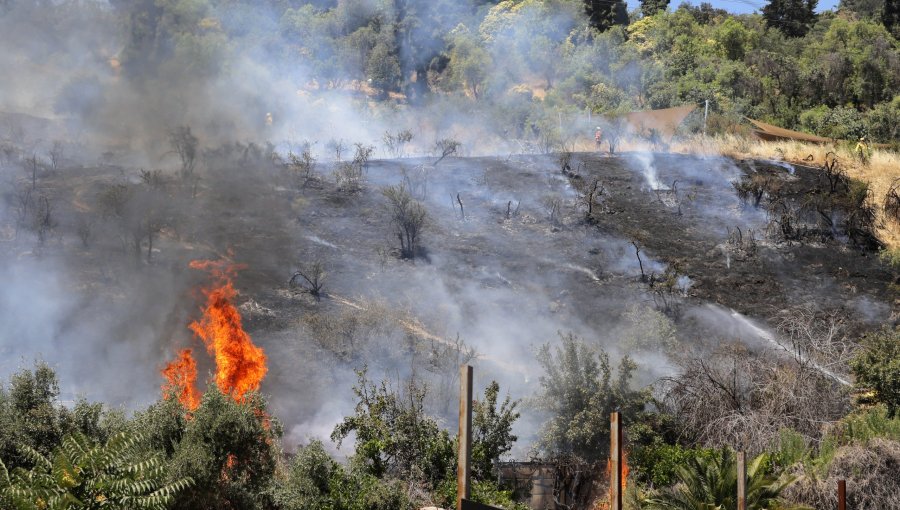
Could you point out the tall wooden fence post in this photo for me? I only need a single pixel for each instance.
(464, 448)
(615, 461)
(842, 495)
(741, 481)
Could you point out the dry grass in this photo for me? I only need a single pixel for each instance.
(880, 171)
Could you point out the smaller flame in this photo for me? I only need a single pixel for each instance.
(605, 505)
(181, 380)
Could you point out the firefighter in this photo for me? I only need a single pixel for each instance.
(598, 137)
(862, 149)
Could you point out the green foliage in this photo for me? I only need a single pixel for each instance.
(227, 447)
(394, 435)
(651, 7)
(793, 17)
(314, 481)
(491, 431)
(31, 416)
(877, 368)
(469, 63)
(658, 464)
(578, 392)
(707, 482)
(604, 14)
(120, 474)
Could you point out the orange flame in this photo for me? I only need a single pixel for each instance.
(604, 505)
(240, 364)
(181, 380)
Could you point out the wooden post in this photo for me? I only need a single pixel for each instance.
(615, 461)
(464, 447)
(842, 494)
(741, 481)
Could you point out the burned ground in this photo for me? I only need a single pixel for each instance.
(521, 262)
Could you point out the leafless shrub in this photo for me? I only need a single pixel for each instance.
(408, 217)
(56, 153)
(616, 128)
(9, 153)
(870, 471)
(22, 206)
(564, 158)
(153, 178)
(752, 189)
(743, 399)
(834, 173)
(362, 155)
(784, 223)
(816, 340)
(303, 167)
(891, 205)
(591, 196)
(350, 332)
(33, 165)
(553, 206)
(637, 253)
(667, 289)
(84, 228)
(44, 219)
(349, 177)
(396, 142)
(446, 147)
(337, 148)
(744, 245)
(444, 359)
(184, 144)
(510, 212)
(314, 276)
(416, 181)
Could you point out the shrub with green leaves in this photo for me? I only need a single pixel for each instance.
(710, 482)
(877, 368)
(122, 474)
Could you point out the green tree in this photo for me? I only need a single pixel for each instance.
(792, 17)
(651, 7)
(314, 481)
(229, 448)
(706, 482)
(604, 14)
(121, 474)
(383, 69)
(469, 62)
(394, 436)
(877, 368)
(491, 431)
(578, 392)
(890, 17)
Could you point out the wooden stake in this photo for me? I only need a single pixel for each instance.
(615, 461)
(463, 477)
(842, 494)
(741, 481)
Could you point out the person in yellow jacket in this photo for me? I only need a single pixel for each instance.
(862, 149)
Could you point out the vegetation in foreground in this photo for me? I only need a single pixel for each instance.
(227, 453)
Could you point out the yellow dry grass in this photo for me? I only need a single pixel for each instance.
(880, 171)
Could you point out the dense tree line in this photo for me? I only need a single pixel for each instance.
(836, 73)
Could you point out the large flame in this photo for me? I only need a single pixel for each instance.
(240, 365)
(181, 380)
